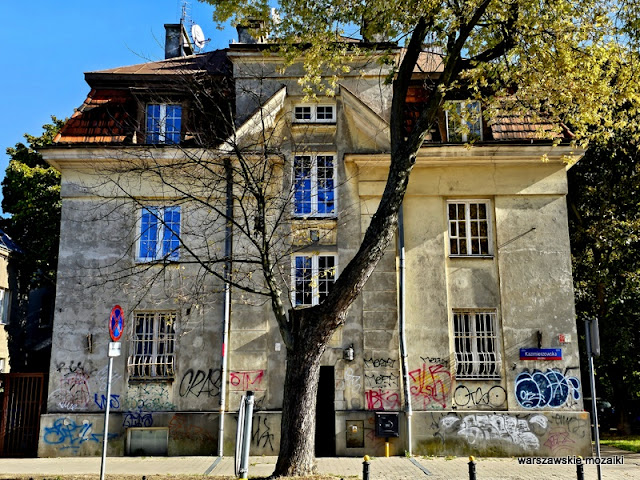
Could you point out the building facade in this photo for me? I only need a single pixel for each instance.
(478, 284)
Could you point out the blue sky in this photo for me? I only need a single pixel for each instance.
(48, 45)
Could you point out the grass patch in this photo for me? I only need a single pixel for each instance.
(630, 443)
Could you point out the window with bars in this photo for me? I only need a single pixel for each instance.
(313, 277)
(476, 345)
(314, 186)
(314, 114)
(464, 121)
(159, 233)
(152, 353)
(164, 123)
(469, 228)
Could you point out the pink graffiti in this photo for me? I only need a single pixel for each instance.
(382, 400)
(77, 389)
(559, 439)
(241, 381)
(431, 384)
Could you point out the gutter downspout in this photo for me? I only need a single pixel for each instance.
(401, 325)
(228, 251)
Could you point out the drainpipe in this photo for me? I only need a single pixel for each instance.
(401, 325)
(228, 250)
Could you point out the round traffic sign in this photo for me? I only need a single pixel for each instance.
(116, 323)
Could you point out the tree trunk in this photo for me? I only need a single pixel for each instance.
(297, 444)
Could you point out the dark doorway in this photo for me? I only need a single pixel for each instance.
(325, 414)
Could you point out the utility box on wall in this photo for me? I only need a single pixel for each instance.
(387, 424)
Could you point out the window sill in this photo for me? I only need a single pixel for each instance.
(478, 379)
(320, 127)
(151, 379)
(471, 256)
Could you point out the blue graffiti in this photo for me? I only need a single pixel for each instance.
(137, 419)
(101, 402)
(549, 389)
(70, 435)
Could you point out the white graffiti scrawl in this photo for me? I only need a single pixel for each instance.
(501, 428)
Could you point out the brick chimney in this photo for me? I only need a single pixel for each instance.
(176, 42)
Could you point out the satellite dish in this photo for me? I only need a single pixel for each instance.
(197, 35)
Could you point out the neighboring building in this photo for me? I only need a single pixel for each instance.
(7, 248)
(487, 272)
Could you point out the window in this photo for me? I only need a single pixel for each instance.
(313, 277)
(163, 123)
(4, 306)
(476, 345)
(314, 114)
(469, 228)
(159, 233)
(152, 345)
(464, 121)
(314, 185)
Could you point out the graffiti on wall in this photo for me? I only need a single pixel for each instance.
(199, 382)
(261, 434)
(478, 429)
(480, 397)
(351, 380)
(382, 380)
(69, 435)
(379, 362)
(430, 385)
(76, 380)
(546, 389)
(378, 399)
(148, 397)
(101, 401)
(137, 419)
(179, 429)
(248, 380)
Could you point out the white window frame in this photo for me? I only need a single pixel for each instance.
(152, 348)
(161, 131)
(314, 186)
(453, 229)
(158, 211)
(452, 120)
(314, 115)
(476, 344)
(5, 305)
(315, 281)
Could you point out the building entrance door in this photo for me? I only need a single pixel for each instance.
(325, 414)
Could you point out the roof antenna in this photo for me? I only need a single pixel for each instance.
(197, 35)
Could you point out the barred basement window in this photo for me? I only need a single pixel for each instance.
(153, 345)
(476, 345)
(469, 228)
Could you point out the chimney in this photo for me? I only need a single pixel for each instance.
(245, 35)
(176, 41)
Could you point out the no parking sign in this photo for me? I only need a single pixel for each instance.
(116, 323)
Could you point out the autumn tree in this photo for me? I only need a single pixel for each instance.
(604, 224)
(568, 62)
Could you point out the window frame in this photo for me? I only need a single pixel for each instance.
(159, 136)
(5, 305)
(469, 238)
(314, 189)
(313, 113)
(150, 367)
(160, 233)
(487, 368)
(316, 295)
(464, 135)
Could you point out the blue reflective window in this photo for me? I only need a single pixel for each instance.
(314, 185)
(164, 123)
(159, 233)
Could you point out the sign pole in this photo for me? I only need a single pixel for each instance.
(116, 327)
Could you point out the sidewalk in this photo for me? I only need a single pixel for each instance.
(394, 468)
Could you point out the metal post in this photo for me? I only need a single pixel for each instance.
(365, 468)
(114, 351)
(246, 444)
(579, 469)
(472, 468)
(594, 406)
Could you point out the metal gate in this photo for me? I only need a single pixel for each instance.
(21, 401)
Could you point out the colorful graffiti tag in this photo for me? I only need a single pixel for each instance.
(546, 389)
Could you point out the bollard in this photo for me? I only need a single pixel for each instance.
(580, 469)
(472, 468)
(365, 468)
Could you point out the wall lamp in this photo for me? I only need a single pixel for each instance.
(348, 353)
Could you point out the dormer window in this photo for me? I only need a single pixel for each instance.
(314, 113)
(464, 121)
(164, 123)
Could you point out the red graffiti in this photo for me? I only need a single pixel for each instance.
(382, 400)
(242, 381)
(559, 439)
(431, 384)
